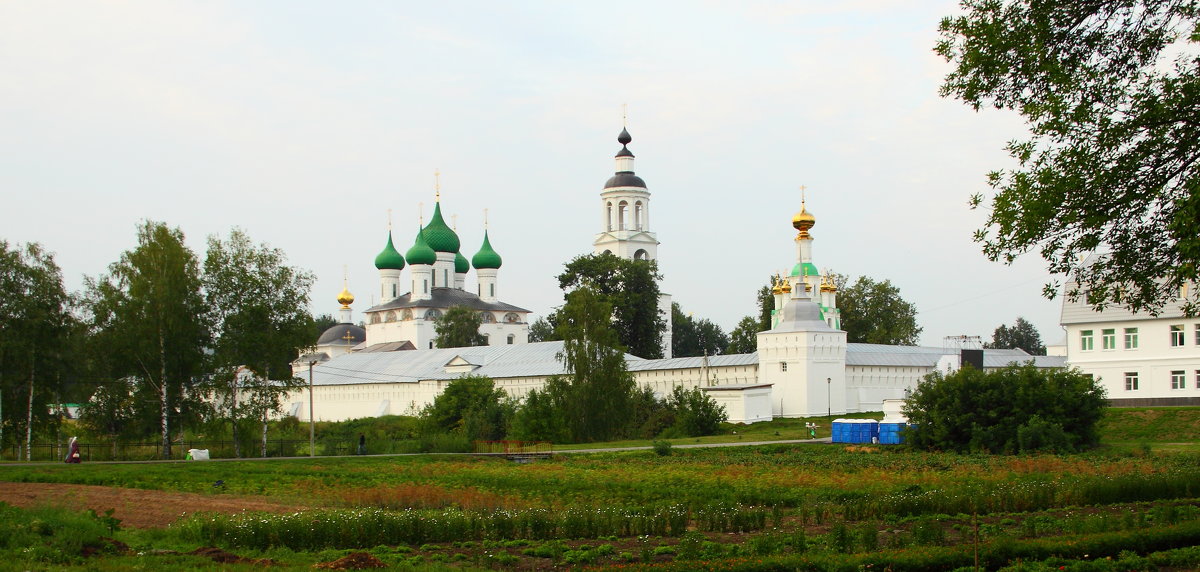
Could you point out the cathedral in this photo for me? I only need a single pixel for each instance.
(804, 366)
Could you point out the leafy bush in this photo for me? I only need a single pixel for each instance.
(1014, 409)
(696, 413)
(662, 448)
(471, 406)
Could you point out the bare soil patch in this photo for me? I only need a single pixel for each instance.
(137, 508)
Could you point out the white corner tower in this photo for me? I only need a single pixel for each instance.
(625, 223)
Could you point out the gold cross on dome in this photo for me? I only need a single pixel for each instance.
(802, 188)
(437, 184)
(349, 337)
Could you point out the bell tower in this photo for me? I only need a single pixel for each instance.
(625, 223)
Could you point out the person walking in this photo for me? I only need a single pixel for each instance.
(73, 451)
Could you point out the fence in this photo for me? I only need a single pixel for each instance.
(126, 451)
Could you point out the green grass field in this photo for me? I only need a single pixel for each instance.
(1133, 504)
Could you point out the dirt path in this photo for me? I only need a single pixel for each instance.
(137, 508)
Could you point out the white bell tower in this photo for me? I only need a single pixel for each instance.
(625, 223)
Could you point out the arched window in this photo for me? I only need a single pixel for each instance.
(640, 255)
(638, 223)
(433, 314)
(621, 208)
(407, 315)
(390, 316)
(488, 317)
(608, 216)
(512, 318)
(375, 318)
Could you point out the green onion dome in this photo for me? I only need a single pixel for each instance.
(440, 237)
(421, 253)
(461, 266)
(390, 258)
(486, 257)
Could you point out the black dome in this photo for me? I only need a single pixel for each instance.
(625, 180)
(624, 137)
(336, 334)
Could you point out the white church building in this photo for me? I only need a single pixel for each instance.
(803, 367)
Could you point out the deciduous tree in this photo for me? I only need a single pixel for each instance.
(875, 313)
(691, 337)
(598, 405)
(1016, 409)
(1021, 335)
(1109, 92)
(35, 327)
(744, 337)
(257, 308)
(630, 287)
(148, 315)
(459, 328)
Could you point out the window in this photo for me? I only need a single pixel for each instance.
(1177, 380)
(1198, 379)
(1109, 339)
(492, 290)
(1131, 338)
(1131, 381)
(1198, 334)
(1177, 336)
(783, 366)
(1086, 340)
(511, 338)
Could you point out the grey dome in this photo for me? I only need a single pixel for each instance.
(336, 335)
(625, 180)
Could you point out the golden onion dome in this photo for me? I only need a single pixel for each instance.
(345, 298)
(803, 220)
(787, 288)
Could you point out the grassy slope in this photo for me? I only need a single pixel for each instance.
(1177, 426)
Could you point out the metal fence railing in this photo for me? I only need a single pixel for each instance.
(149, 451)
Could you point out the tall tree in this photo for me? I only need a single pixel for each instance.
(630, 287)
(875, 313)
(766, 305)
(258, 311)
(148, 314)
(744, 337)
(1113, 161)
(459, 328)
(1021, 335)
(471, 406)
(542, 329)
(34, 337)
(691, 337)
(601, 386)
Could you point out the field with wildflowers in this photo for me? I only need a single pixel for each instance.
(806, 506)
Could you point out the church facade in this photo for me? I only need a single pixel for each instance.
(804, 366)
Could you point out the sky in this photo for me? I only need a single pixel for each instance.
(305, 123)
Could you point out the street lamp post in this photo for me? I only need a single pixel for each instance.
(312, 428)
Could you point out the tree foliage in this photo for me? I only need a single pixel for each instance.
(257, 309)
(744, 337)
(695, 412)
(542, 329)
(1021, 335)
(36, 327)
(601, 385)
(875, 313)
(1112, 161)
(470, 406)
(459, 328)
(1019, 408)
(691, 337)
(630, 288)
(148, 318)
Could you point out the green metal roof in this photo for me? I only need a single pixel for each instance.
(805, 269)
(461, 266)
(439, 236)
(486, 257)
(421, 253)
(390, 258)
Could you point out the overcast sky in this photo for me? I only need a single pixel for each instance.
(303, 123)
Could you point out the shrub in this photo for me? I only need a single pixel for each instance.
(1016, 408)
(662, 448)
